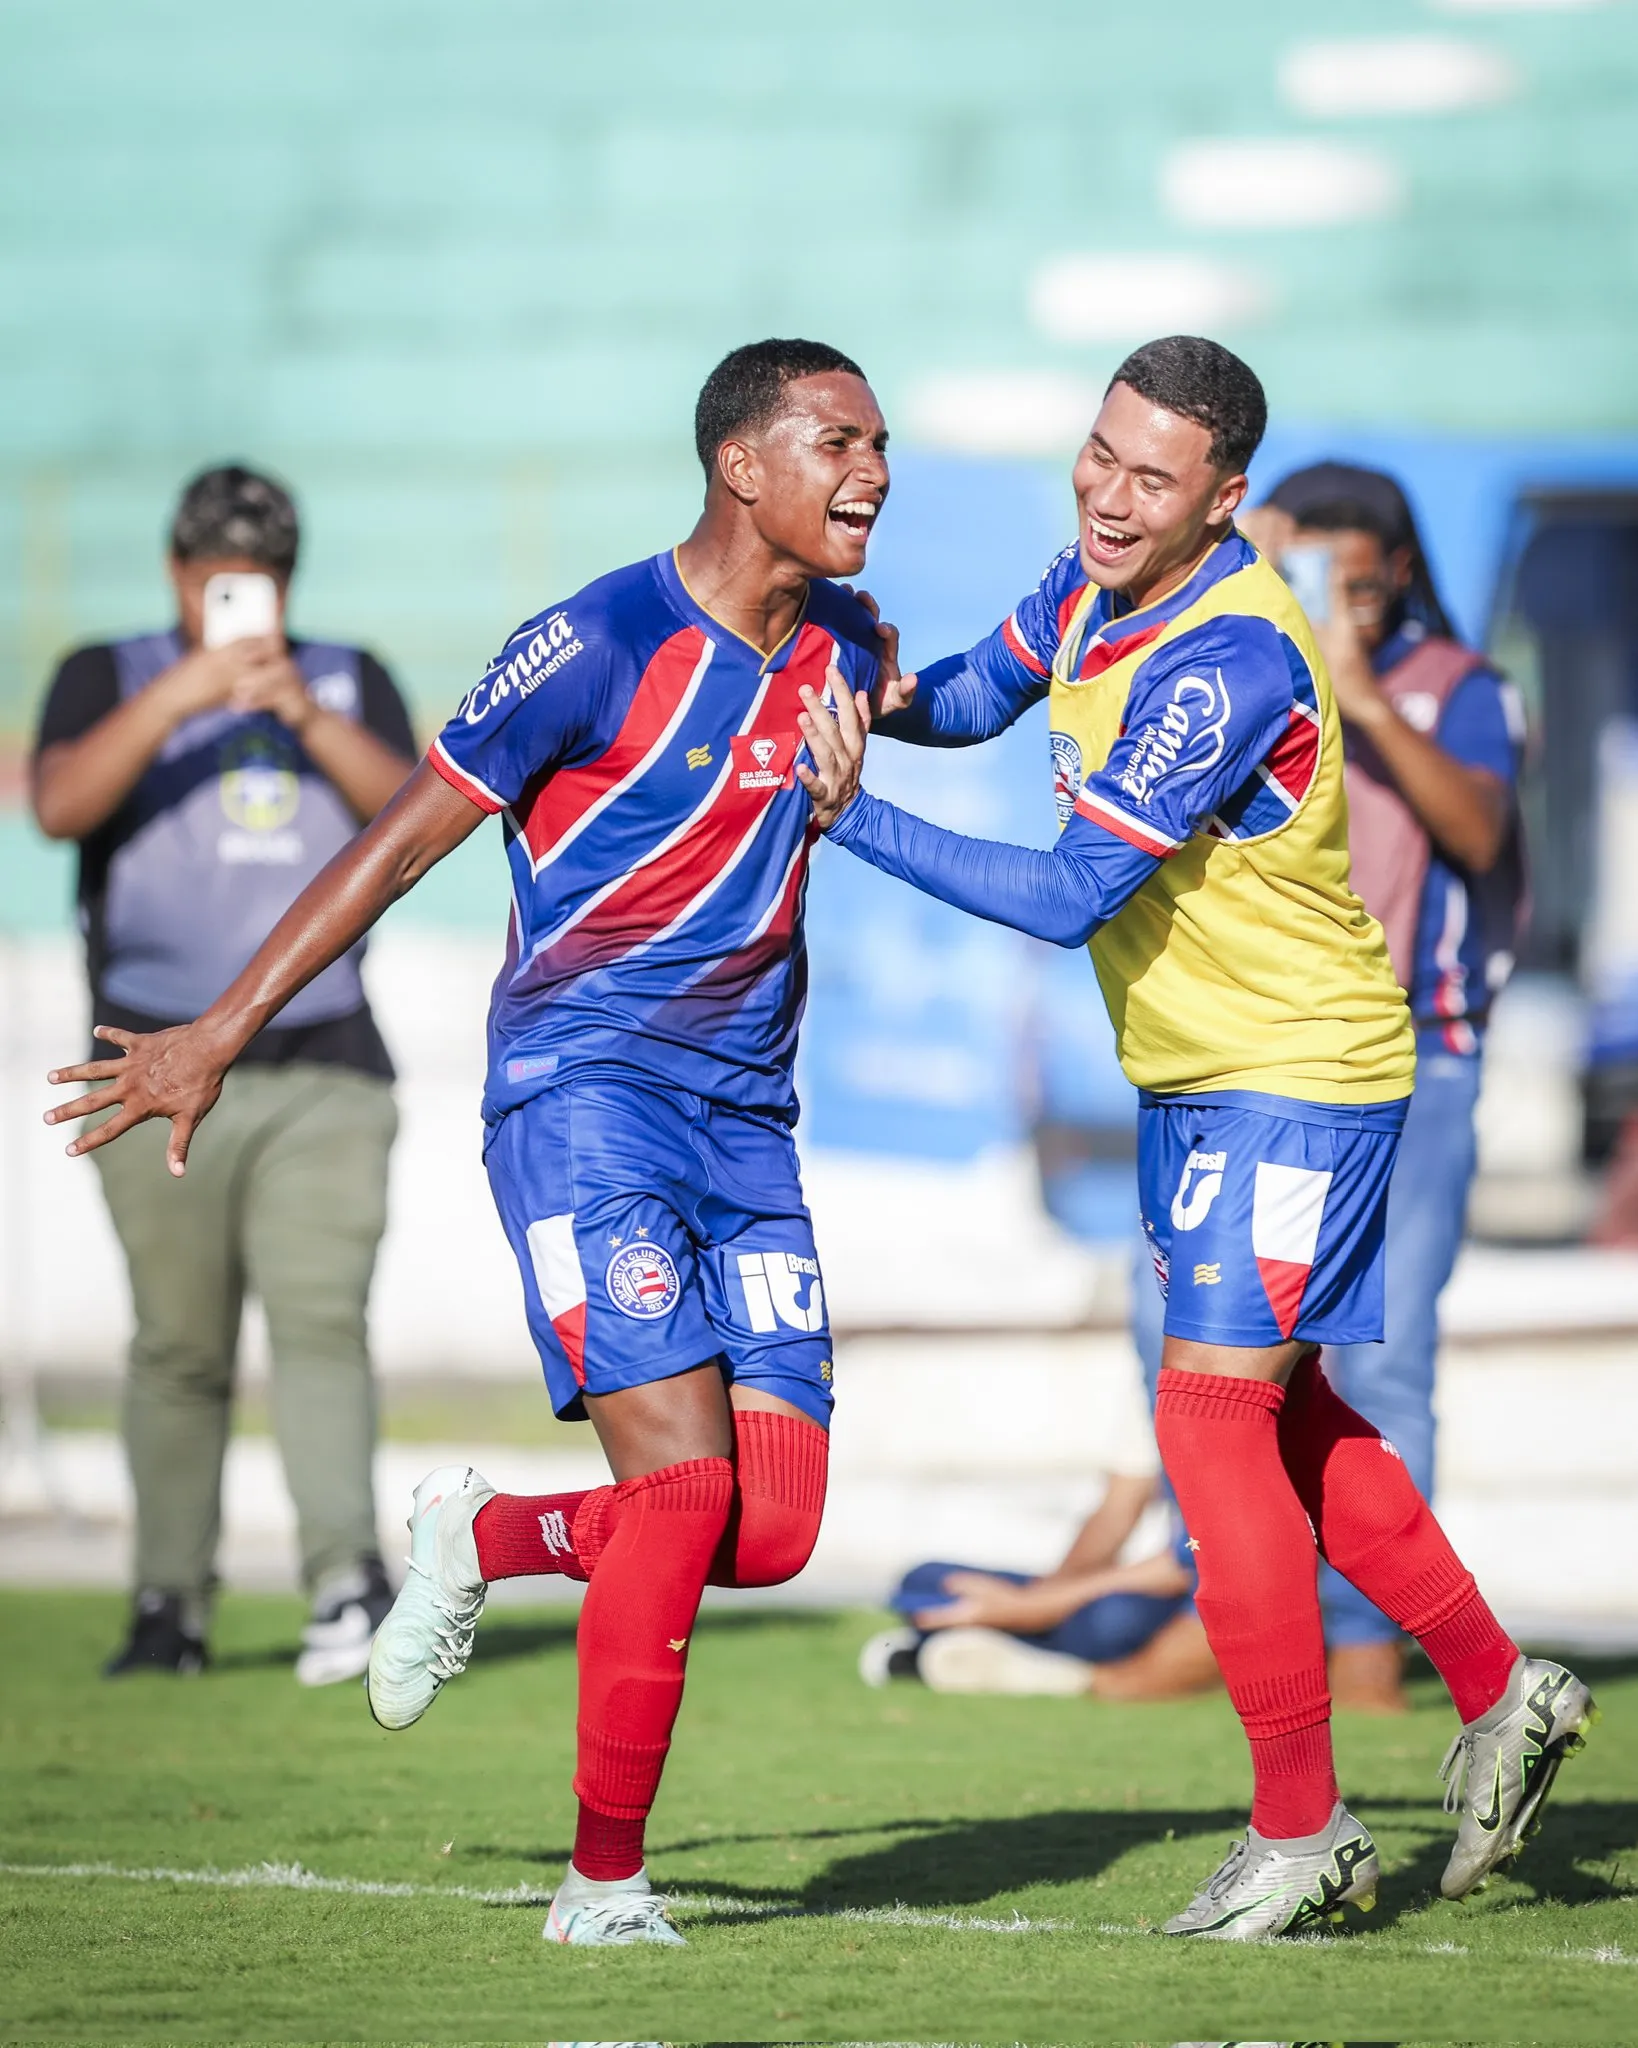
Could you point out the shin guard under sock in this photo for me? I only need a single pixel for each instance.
(1258, 1597)
(1379, 1532)
(663, 1531)
(780, 1467)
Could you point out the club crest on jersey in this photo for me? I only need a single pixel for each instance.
(1187, 734)
(1066, 775)
(763, 762)
(1195, 1195)
(642, 1282)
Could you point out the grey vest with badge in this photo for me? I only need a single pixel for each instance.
(232, 821)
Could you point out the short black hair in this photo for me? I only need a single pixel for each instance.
(1202, 381)
(232, 510)
(746, 390)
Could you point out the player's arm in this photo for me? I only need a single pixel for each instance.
(178, 1073)
(970, 697)
(1062, 896)
(1131, 815)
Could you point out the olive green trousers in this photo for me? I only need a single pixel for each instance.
(285, 1198)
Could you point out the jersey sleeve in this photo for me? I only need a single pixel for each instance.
(382, 710)
(1201, 714)
(1061, 896)
(524, 716)
(1199, 718)
(1482, 725)
(83, 692)
(969, 697)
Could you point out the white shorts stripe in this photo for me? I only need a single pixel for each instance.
(1286, 1206)
(557, 1265)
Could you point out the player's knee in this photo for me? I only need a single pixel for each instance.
(772, 1542)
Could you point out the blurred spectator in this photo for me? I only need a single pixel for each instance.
(1093, 1624)
(208, 772)
(1432, 738)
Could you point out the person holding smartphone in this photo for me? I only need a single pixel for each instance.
(1432, 737)
(208, 772)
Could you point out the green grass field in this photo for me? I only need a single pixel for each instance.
(848, 1864)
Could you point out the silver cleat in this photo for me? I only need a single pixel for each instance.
(1501, 1767)
(1266, 1887)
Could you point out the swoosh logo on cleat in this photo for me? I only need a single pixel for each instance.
(1490, 1821)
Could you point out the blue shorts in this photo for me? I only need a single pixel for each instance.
(1266, 1215)
(657, 1231)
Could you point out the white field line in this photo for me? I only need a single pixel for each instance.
(294, 1877)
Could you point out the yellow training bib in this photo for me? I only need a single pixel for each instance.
(1245, 961)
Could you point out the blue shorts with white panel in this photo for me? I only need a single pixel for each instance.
(655, 1231)
(1266, 1215)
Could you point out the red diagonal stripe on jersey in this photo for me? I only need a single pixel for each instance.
(653, 895)
(751, 961)
(1021, 648)
(566, 797)
(1096, 812)
(1284, 1284)
(1105, 653)
(1290, 761)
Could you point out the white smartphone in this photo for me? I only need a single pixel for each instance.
(239, 606)
(1307, 571)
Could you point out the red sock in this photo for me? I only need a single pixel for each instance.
(780, 1466)
(639, 1612)
(1382, 1536)
(1258, 1597)
(531, 1535)
(606, 1848)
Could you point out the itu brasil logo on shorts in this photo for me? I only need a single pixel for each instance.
(642, 1282)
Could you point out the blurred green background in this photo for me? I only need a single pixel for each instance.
(457, 272)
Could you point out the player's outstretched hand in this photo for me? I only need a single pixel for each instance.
(174, 1073)
(893, 692)
(836, 742)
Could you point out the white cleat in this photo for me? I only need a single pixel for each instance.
(585, 1914)
(427, 1637)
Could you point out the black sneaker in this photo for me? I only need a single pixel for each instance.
(892, 1654)
(348, 1608)
(160, 1639)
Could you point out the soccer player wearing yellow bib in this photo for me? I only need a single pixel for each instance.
(1197, 758)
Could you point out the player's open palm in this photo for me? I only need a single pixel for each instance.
(162, 1073)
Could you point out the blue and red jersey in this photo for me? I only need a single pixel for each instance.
(642, 756)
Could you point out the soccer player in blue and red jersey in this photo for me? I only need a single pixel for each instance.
(640, 742)
(1197, 755)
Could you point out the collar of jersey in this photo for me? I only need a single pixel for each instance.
(1232, 552)
(672, 575)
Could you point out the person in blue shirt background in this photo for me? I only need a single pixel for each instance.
(1433, 739)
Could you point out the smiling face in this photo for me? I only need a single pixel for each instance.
(1151, 500)
(814, 479)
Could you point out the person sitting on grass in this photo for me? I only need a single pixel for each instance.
(1124, 1631)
